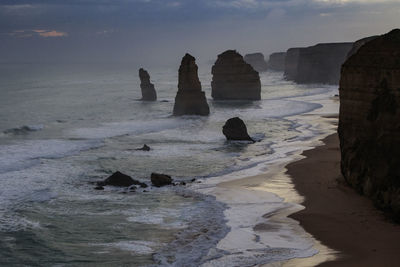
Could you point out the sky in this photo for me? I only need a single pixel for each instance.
(160, 32)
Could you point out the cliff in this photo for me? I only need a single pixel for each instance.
(369, 124)
(276, 61)
(317, 64)
(147, 88)
(257, 61)
(234, 79)
(190, 100)
(357, 45)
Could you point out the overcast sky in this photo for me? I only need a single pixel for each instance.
(161, 31)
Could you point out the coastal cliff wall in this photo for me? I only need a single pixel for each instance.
(316, 64)
(369, 121)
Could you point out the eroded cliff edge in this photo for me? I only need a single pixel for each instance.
(369, 121)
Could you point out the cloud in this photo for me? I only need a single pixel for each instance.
(37, 33)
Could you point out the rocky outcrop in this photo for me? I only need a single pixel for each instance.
(234, 79)
(148, 91)
(257, 61)
(357, 45)
(119, 179)
(317, 64)
(159, 180)
(369, 124)
(235, 129)
(144, 148)
(190, 100)
(276, 61)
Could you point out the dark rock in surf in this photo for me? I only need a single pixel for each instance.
(235, 129)
(257, 61)
(148, 90)
(234, 79)
(276, 61)
(159, 180)
(144, 148)
(369, 125)
(190, 99)
(99, 187)
(122, 180)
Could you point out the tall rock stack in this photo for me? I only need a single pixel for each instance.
(234, 79)
(190, 100)
(257, 61)
(148, 91)
(369, 121)
(276, 61)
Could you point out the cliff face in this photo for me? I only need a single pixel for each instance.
(190, 100)
(357, 45)
(322, 63)
(148, 91)
(257, 61)
(369, 121)
(276, 61)
(234, 79)
(292, 63)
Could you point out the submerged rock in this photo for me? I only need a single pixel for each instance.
(369, 124)
(148, 90)
(320, 63)
(190, 100)
(144, 148)
(120, 179)
(159, 180)
(257, 61)
(235, 129)
(276, 61)
(234, 79)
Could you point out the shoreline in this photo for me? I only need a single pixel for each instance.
(338, 216)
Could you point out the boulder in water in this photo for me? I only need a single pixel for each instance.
(122, 180)
(159, 180)
(235, 129)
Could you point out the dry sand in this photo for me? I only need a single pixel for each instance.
(339, 217)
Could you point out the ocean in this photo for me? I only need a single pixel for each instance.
(65, 126)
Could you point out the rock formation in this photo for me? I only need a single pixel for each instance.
(235, 129)
(144, 148)
(257, 61)
(120, 179)
(190, 100)
(276, 61)
(159, 180)
(357, 45)
(148, 91)
(234, 79)
(369, 124)
(317, 64)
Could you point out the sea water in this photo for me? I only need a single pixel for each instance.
(64, 127)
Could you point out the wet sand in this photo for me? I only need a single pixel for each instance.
(339, 217)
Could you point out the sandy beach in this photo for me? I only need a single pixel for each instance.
(337, 216)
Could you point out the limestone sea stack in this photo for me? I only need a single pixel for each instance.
(369, 121)
(257, 61)
(234, 79)
(320, 63)
(190, 100)
(276, 61)
(148, 91)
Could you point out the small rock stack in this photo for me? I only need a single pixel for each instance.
(148, 91)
